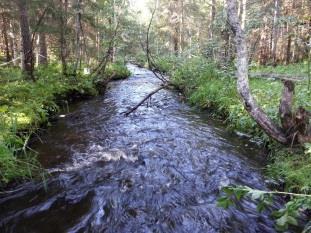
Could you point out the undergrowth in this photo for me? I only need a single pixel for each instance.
(208, 87)
(25, 106)
(117, 71)
(300, 69)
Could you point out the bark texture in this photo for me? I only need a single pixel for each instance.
(6, 37)
(62, 38)
(295, 126)
(243, 84)
(28, 57)
(275, 30)
(43, 60)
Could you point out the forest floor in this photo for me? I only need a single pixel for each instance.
(27, 106)
(208, 86)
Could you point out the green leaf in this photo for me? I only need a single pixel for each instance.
(291, 220)
(228, 190)
(261, 206)
(224, 202)
(240, 194)
(308, 148)
(282, 221)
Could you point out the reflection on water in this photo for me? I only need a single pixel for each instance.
(159, 170)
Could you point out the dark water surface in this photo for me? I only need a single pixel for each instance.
(159, 170)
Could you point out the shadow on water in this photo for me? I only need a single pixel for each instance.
(159, 170)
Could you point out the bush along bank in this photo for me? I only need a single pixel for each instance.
(207, 86)
(26, 106)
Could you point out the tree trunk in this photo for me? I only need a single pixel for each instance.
(181, 26)
(243, 84)
(244, 13)
(175, 22)
(78, 29)
(5, 37)
(213, 10)
(275, 31)
(43, 53)
(113, 23)
(111, 49)
(176, 42)
(28, 58)
(62, 39)
(114, 49)
(97, 39)
(263, 53)
(295, 49)
(288, 50)
(285, 110)
(14, 45)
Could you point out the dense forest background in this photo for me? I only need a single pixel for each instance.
(278, 31)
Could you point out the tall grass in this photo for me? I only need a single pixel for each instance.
(25, 106)
(206, 86)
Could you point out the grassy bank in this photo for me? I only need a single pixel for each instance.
(209, 87)
(26, 106)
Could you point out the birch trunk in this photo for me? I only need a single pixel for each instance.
(43, 56)
(243, 83)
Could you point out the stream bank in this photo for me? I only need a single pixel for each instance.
(159, 170)
(207, 86)
(26, 108)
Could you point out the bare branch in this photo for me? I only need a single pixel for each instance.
(152, 67)
(151, 63)
(127, 113)
(102, 65)
(38, 25)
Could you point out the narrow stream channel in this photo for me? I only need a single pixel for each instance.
(159, 170)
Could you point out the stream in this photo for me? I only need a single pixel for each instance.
(161, 169)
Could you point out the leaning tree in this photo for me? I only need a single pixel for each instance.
(295, 124)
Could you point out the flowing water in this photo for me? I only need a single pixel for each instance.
(159, 170)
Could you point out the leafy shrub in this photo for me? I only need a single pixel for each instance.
(206, 86)
(285, 217)
(25, 106)
(22, 108)
(141, 60)
(117, 71)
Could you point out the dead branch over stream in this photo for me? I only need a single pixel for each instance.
(153, 69)
(127, 113)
